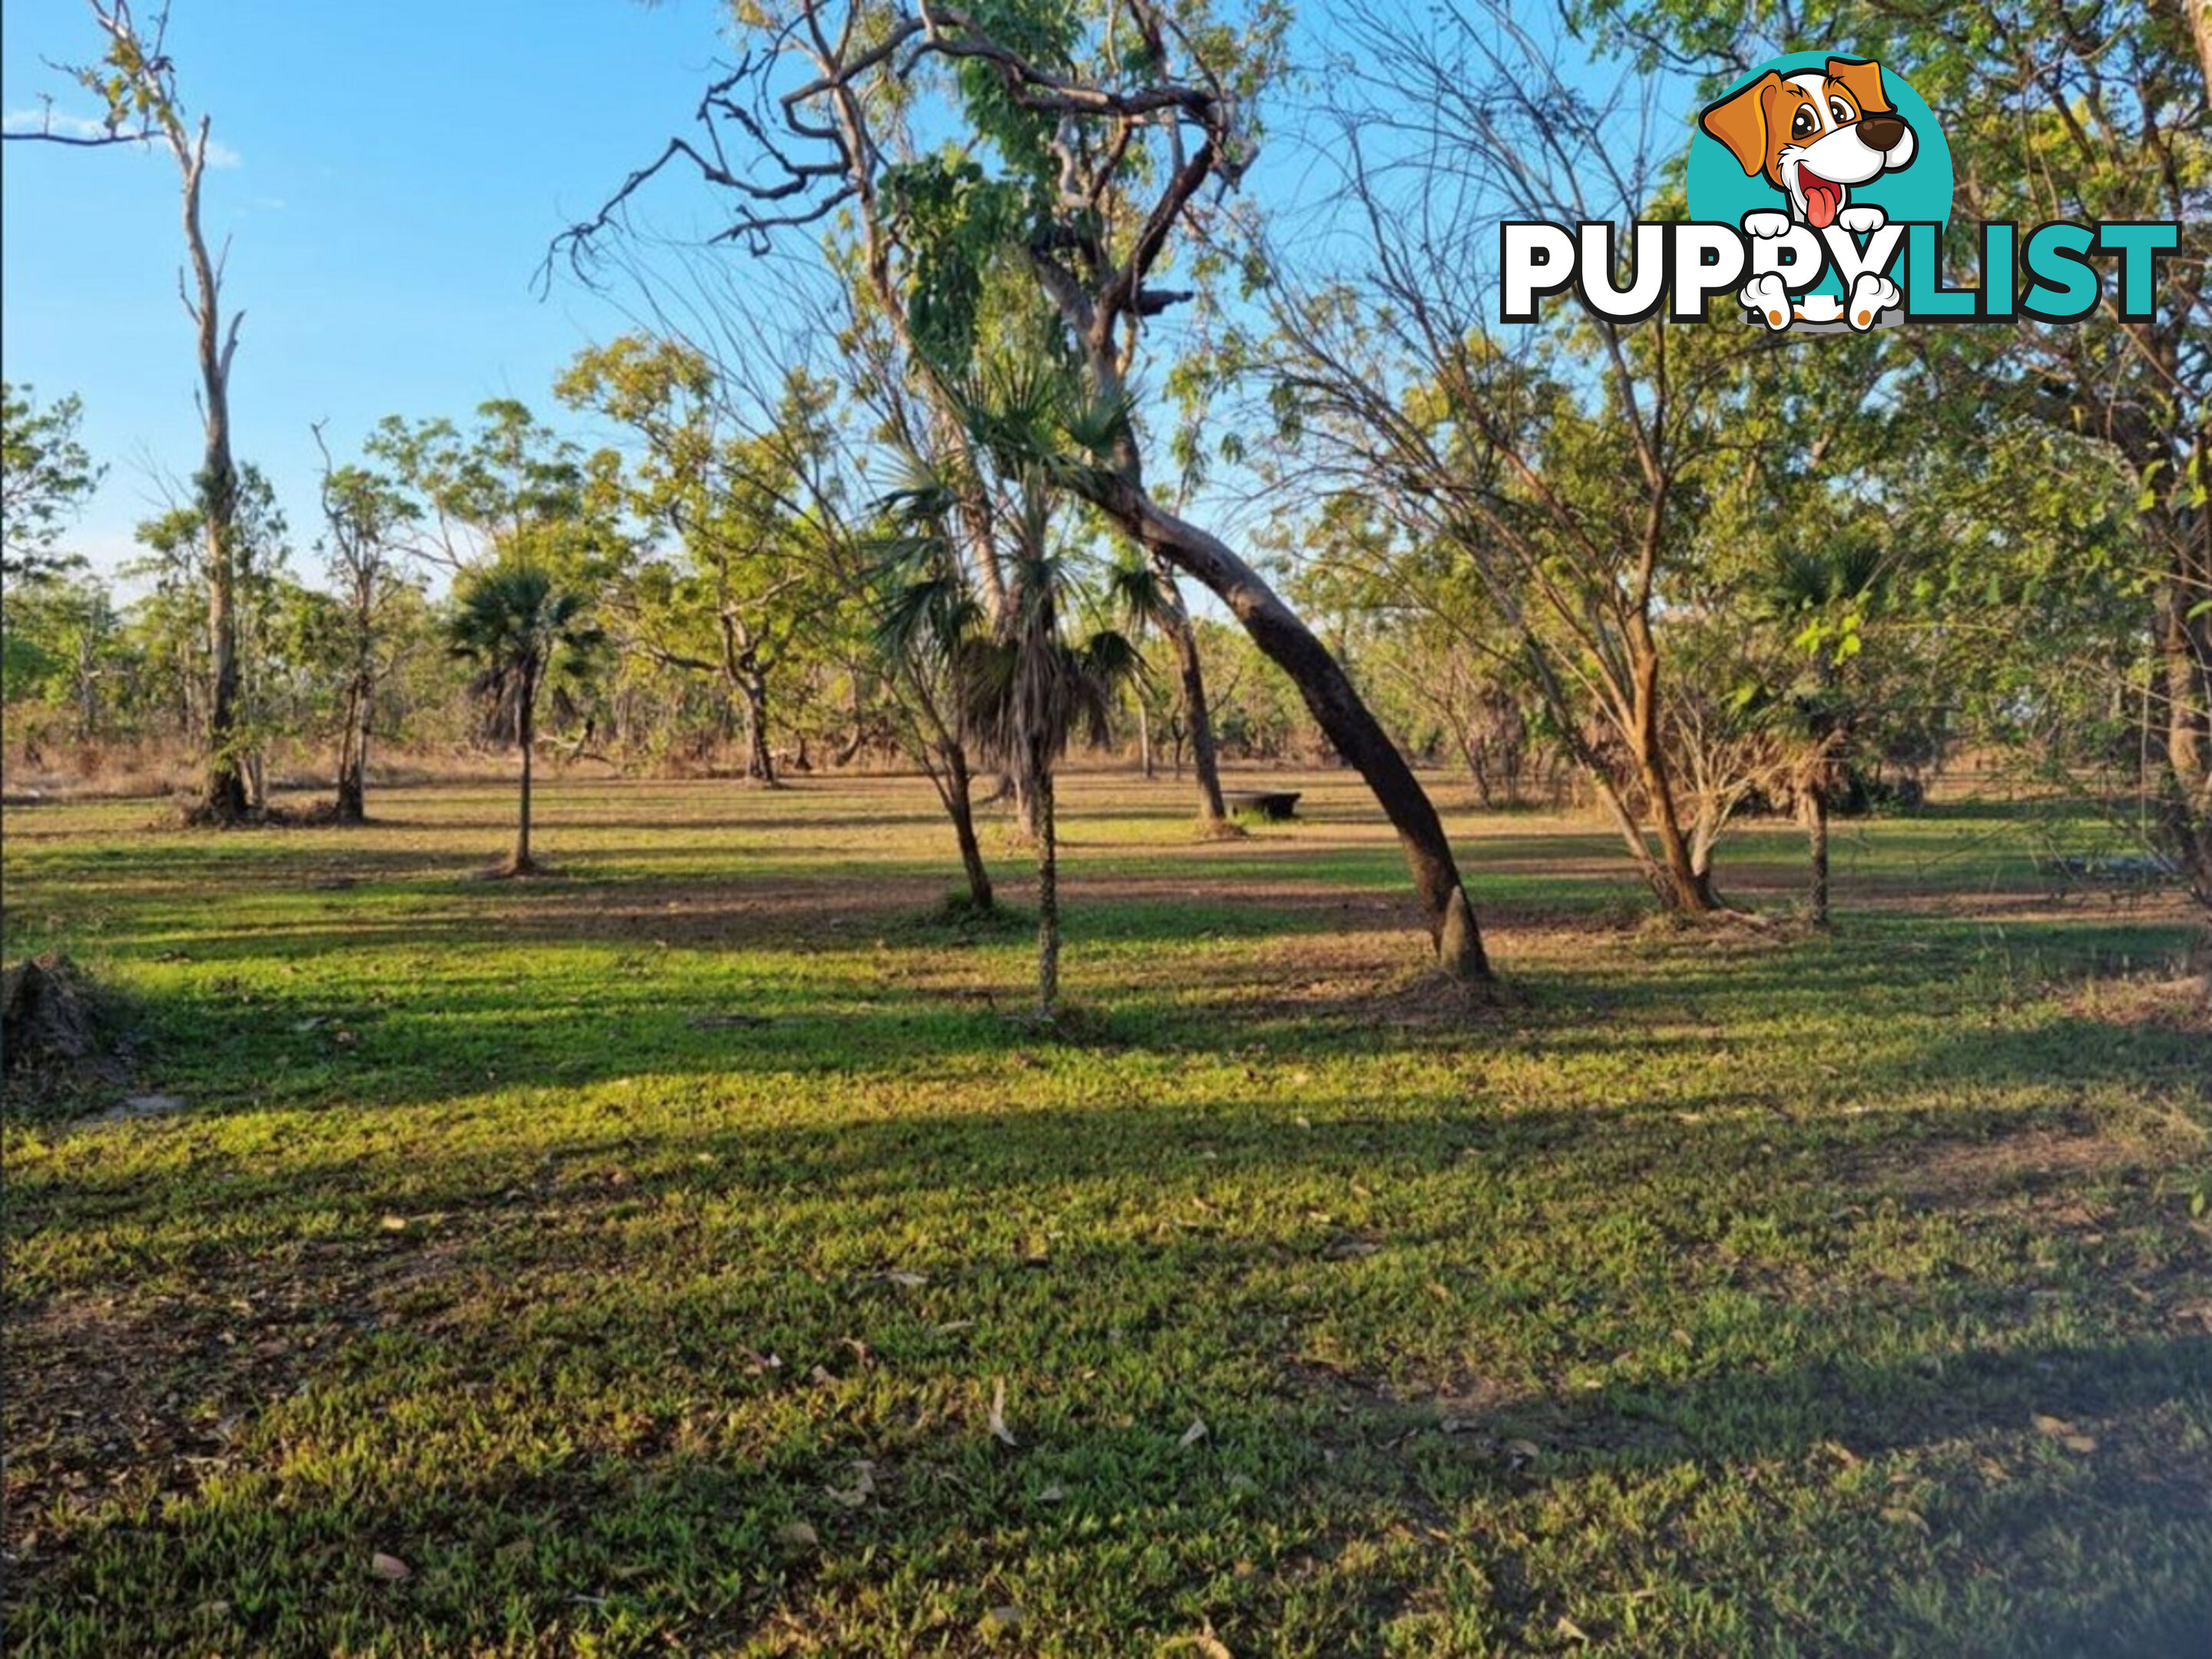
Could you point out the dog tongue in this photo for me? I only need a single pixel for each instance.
(1822, 199)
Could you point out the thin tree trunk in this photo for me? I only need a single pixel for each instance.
(526, 723)
(353, 751)
(1212, 813)
(1687, 889)
(1047, 897)
(1144, 738)
(1330, 697)
(224, 798)
(959, 803)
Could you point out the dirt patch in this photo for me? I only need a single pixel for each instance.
(2029, 1162)
(2174, 1005)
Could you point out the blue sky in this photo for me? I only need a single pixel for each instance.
(399, 169)
(393, 175)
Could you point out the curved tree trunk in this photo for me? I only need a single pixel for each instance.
(959, 804)
(1329, 696)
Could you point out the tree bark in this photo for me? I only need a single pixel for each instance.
(223, 799)
(760, 762)
(353, 749)
(1331, 699)
(525, 723)
(959, 804)
(1047, 896)
(1212, 813)
(1812, 812)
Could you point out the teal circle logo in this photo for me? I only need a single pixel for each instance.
(1813, 136)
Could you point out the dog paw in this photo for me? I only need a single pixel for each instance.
(1768, 297)
(1765, 223)
(1862, 221)
(1871, 296)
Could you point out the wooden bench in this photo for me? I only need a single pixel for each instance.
(1278, 806)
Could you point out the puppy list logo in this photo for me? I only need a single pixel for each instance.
(1819, 188)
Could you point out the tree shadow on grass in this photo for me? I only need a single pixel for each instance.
(663, 1511)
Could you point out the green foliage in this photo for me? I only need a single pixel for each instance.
(45, 477)
(518, 623)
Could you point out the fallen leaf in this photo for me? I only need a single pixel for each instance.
(393, 1223)
(912, 1281)
(2053, 1426)
(797, 1535)
(1196, 1432)
(1570, 1631)
(1524, 1451)
(1905, 1517)
(998, 1429)
(390, 1568)
(2080, 1442)
(1056, 1494)
(862, 1489)
(1001, 1618)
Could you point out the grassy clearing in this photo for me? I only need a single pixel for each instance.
(636, 1259)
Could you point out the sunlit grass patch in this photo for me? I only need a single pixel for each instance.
(654, 1256)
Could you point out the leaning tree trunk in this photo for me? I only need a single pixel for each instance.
(1329, 696)
(960, 805)
(1686, 887)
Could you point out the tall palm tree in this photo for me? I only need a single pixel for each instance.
(1022, 687)
(1028, 689)
(927, 607)
(518, 625)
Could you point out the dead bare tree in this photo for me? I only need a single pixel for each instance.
(136, 82)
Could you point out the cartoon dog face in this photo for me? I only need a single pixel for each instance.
(1813, 136)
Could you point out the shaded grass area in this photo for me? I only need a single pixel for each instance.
(651, 1257)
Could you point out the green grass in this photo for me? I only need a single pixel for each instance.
(637, 1256)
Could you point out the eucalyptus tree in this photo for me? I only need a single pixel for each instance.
(1025, 686)
(1098, 145)
(754, 507)
(1144, 593)
(46, 476)
(2054, 111)
(520, 625)
(366, 516)
(134, 82)
(256, 548)
(507, 485)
